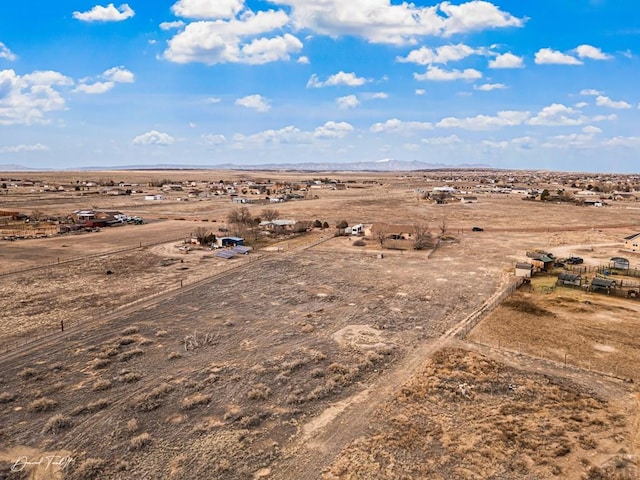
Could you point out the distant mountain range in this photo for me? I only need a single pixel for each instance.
(388, 165)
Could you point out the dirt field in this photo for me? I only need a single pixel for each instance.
(314, 357)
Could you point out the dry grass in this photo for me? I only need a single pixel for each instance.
(174, 355)
(7, 397)
(27, 373)
(151, 400)
(100, 385)
(42, 405)
(126, 356)
(126, 376)
(132, 425)
(140, 441)
(259, 392)
(90, 469)
(57, 423)
(92, 407)
(130, 330)
(195, 400)
(126, 341)
(98, 363)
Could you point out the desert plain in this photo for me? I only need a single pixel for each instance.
(131, 352)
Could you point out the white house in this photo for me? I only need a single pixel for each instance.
(632, 242)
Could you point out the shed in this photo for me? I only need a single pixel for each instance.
(229, 241)
(619, 262)
(524, 269)
(571, 279)
(540, 260)
(602, 285)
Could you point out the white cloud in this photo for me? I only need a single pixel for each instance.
(603, 101)
(287, 135)
(234, 41)
(485, 122)
(558, 114)
(506, 60)
(119, 75)
(572, 140)
(631, 142)
(493, 144)
(213, 100)
(591, 130)
(420, 91)
(437, 74)
(26, 99)
(212, 139)
(303, 60)
(590, 92)
(399, 126)
(443, 54)
(172, 25)
(378, 96)
(340, 78)
(105, 14)
(547, 56)
(333, 130)
(207, 9)
(257, 102)
(450, 140)
(379, 21)
(487, 87)
(594, 53)
(153, 137)
(581, 104)
(349, 101)
(24, 148)
(6, 53)
(96, 88)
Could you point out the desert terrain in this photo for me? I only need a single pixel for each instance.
(315, 356)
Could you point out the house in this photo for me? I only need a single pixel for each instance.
(602, 285)
(632, 242)
(619, 262)
(81, 216)
(569, 279)
(355, 229)
(278, 225)
(524, 269)
(542, 261)
(229, 241)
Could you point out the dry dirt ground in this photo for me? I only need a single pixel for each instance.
(302, 363)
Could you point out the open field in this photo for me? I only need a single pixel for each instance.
(314, 357)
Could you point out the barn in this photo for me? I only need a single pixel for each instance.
(602, 285)
(524, 270)
(569, 279)
(619, 262)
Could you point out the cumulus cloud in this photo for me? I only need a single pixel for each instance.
(443, 54)
(507, 118)
(438, 74)
(603, 101)
(398, 126)
(153, 137)
(381, 22)
(377, 96)
(107, 81)
(487, 87)
(594, 53)
(333, 129)
(119, 75)
(349, 101)
(28, 98)
(547, 56)
(591, 130)
(172, 25)
(340, 78)
(257, 102)
(24, 148)
(214, 139)
(558, 114)
(303, 60)
(96, 88)
(6, 53)
(629, 142)
(234, 41)
(450, 140)
(506, 60)
(105, 14)
(207, 9)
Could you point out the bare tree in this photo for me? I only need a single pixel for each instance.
(301, 226)
(269, 214)
(443, 225)
(379, 234)
(422, 238)
(204, 236)
(240, 219)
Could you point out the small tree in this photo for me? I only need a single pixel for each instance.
(379, 234)
(204, 236)
(422, 238)
(270, 214)
(544, 196)
(342, 224)
(317, 224)
(325, 225)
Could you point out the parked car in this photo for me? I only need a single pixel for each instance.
(574, 260)
(477, 229)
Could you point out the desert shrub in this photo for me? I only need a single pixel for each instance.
(99, 363)
(130, 330)
(6, 397)
(145, 341)
(110, 351)
(132, 425)
(126, 356)
(42, 405)
(162, 333)
(140, 441)
(259, 392)
(126, 341)
(27, 373)
(90, 469)
(56, 387)
(149, 401)
(126, 376)
(317, 373)
(92, 407)
(174, 355)
(100, 385)
(57, 423)
(195, 400)
(56, 367)
(253, 420)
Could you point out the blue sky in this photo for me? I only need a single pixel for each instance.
(509, 83)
